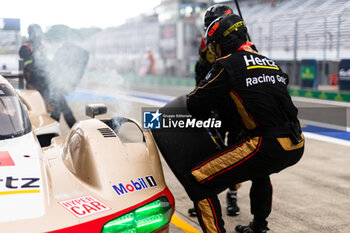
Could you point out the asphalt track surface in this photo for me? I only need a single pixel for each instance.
(312, 196)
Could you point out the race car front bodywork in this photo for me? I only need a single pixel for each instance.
(44, 127)
(104, 176)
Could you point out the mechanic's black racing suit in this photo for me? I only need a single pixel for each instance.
(272, 140)
(36, 72)
(35, 64)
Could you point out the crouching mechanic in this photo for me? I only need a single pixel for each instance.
(203, 66)
(272, 140)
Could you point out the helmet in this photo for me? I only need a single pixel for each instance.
(35, 32)
(215, 12)
(228, 29)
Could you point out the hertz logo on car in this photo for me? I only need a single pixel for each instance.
(12, 185)
(254, 62)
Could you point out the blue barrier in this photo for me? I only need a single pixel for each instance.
(344, 75)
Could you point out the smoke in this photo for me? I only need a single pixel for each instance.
(67, 68)
(127, 130)
(70, 69)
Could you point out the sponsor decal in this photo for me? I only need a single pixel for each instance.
(5, 159)
(13, 185)
(254, 62)
(209, 76)
(228, 12)
(139, 184)
(157, 120)
(234, 28)
(213, 29)
(250, 81)
(151, 181)
(344, 74)
(308, 72)
(84, 206)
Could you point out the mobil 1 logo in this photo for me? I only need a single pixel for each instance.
(151, 181)
(137, 184)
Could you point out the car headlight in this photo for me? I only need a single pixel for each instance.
(147, 218)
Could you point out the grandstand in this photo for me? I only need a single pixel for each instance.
(299, 29)
(287, 31)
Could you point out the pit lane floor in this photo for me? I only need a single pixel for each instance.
(312, 196)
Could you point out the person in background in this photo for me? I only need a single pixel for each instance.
(36, 73)
(272, 140)
(35, 61)
(150, 57)
(203, 66)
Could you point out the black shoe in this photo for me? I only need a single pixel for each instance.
(232, 206)
(192, 212)
(253, 227)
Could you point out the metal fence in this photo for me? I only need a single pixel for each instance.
(321, 29)
(296, 29)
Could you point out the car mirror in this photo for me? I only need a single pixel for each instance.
(93, 110)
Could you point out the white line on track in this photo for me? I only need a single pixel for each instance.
(152, 95)
(126, 97)
(319, 101)
(326, 139)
